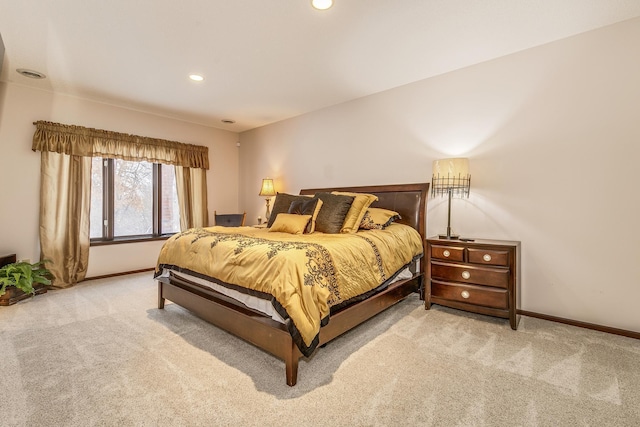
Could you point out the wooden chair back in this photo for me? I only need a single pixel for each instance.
(229, 220)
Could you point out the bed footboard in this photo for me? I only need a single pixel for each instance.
(267, 334)
(252, 326)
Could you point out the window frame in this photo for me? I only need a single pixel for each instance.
(108, 208)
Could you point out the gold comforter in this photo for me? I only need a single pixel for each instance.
(306, 274)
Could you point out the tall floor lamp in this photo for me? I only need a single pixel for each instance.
(451, 177)
(267, 191)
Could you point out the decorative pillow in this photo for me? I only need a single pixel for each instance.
(333, 212)
(378, 219)
(281, 205)
(307, 207)
(290, 223)
(368, 224)
(361, 201)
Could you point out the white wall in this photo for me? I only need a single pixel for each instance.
(552, 134)
(20, 168)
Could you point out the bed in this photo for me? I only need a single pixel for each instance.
(210, 289)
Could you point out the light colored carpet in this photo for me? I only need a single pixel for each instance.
(101, 353)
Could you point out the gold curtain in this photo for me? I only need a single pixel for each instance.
(192, 197)
(65, 191)
(65, 199)
(81, 141)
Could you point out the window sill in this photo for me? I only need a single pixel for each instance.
(129, 239)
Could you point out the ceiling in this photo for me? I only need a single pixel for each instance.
(268, 60)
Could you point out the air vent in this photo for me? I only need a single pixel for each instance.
(31, 73)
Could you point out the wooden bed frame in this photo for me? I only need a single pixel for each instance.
(409, 200)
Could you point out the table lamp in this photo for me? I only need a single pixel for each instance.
(451, 177)
(267, 191)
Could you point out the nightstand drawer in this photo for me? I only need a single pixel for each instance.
(447, 253)
(477, 295)
(498, 277)
(489, 257)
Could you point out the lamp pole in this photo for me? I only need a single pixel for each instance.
(449, 236)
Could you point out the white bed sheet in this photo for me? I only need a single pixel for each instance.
(259, 304)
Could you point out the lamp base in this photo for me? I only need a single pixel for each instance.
(449, 237)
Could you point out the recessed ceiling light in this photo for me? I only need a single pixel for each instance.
(196, 77)
(322, 4)
(32, 74)
(228, 121)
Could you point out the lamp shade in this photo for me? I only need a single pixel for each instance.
(451, 174)
(458, 167)
(267, 189)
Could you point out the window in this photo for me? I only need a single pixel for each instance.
(132, 200)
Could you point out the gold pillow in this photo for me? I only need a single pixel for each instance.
(290, 223)
(378, 218)
(361, 201)
(314, 217)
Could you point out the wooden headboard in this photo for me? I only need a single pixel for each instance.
(409, 200)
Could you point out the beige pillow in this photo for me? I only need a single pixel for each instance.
(290, 223)
(361, 201)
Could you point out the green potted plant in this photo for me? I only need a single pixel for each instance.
(21, 279)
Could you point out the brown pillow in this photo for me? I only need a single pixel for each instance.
(290, 223)
(281, 205)
(333, 212)
(307, 207)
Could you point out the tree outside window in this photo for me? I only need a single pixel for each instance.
(132, 199)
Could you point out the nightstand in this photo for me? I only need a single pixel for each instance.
(263, 225)
(481, 276)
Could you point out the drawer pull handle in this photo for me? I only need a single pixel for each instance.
(466, 274)
(486, 257)
(446, 253)
(465, 294)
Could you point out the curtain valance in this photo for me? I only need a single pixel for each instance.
(89, 142)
